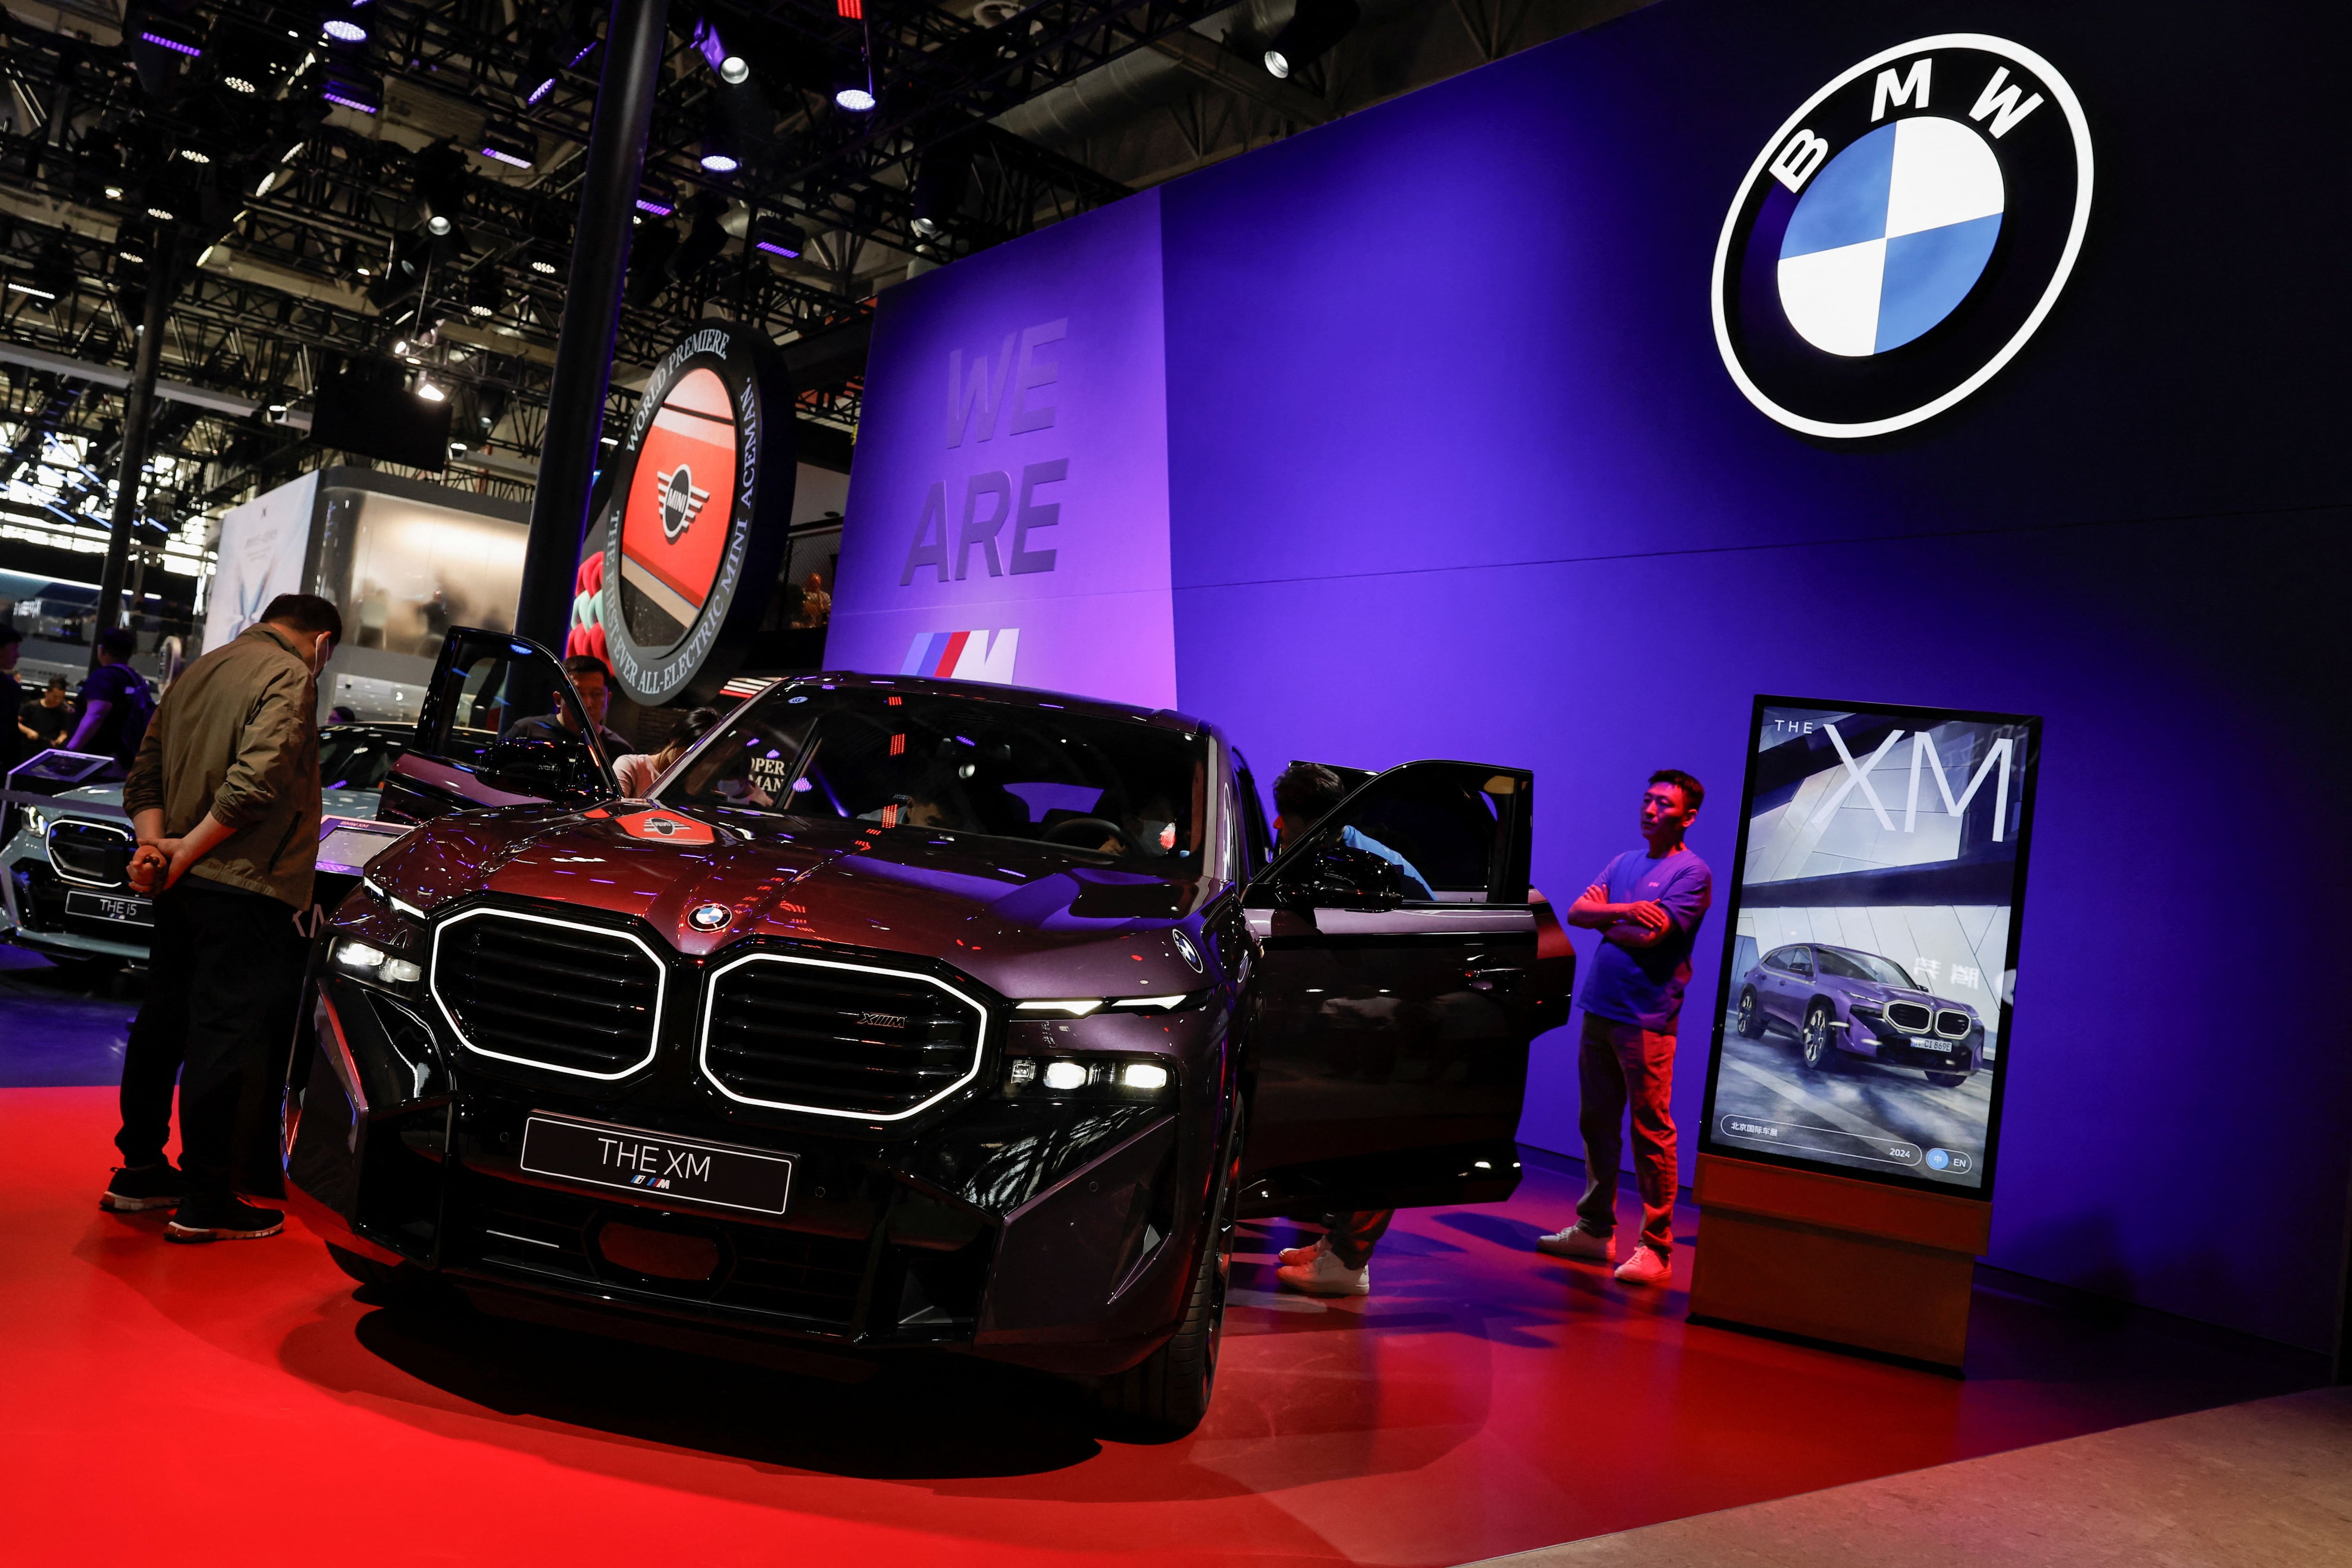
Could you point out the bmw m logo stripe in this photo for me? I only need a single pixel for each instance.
(1901, 236)
(964, 655)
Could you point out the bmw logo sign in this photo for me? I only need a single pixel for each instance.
(1902, 234)
(710, 916)
(1185, 950)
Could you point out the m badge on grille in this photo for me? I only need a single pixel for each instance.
(882, 1021)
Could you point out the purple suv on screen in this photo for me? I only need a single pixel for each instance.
(1840, 1001)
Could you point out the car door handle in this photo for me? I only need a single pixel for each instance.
(1486, 976)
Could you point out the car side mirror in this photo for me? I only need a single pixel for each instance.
(1339, 876)
(537, 768)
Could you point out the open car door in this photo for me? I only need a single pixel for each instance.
(467, 753)
(1406, 969)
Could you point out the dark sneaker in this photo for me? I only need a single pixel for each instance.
(139, 1187)
(223, 1220)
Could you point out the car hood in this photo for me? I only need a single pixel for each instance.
(1028, 921)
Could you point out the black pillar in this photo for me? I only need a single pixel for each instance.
(591, 317)
(131, 464)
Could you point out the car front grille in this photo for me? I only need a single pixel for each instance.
(811, 1280)
(1953, 1024)
(91, 854)
(837, 1039)
(572, 998)
(1912, 1017)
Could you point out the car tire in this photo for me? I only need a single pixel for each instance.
(1751, 1016)
(1165, 1396)
(1947, 1080)
(1819, 1051)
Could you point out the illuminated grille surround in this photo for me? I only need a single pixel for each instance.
(661, 990)
(710, 1002)
(1911, 1018)
(79, 865)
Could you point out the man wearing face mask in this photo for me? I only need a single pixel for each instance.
(224, 798)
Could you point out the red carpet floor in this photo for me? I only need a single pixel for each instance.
(235, 1404)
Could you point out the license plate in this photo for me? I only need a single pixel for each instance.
(110, 906)
(657, 1163)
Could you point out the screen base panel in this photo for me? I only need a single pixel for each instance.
(1838, 1260)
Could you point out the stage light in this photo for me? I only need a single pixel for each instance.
(543, 267)
(717, 157)
(33, 290)
(235, 83)
(360, 90)
(778, 236)
(428, 392)
(344, 28)
(734, 70)
(195, 155)
(506, 142)
(166, 34)
(437, 225)
(855, 97)
(656, 199)
(485, 294)
(1311, 31)
(114, 193)
(161, 214)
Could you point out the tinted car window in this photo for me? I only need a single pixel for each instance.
(1864, 967)
(1799, 962)
(354, 758)
(1257, 843)
(1439, 821)
(1121, 787)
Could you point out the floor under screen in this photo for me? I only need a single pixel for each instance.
(238, 1401)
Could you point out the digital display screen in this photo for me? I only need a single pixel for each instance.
(1873, 928)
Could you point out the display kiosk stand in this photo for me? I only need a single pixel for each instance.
(1878, 1269)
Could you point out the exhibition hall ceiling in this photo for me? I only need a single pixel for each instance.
(319, 181)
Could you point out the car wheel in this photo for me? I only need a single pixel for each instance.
(1821, 1055)
(1947, 1080)
(1751, 1017)
(1165, 1396)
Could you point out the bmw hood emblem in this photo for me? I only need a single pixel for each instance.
(710, 916)
(1185, 950)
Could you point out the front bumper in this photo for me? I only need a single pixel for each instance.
(1893, 1048)
(33, 914)
(1053, 1234)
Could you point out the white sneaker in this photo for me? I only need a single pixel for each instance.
(1644, 1268)
(1573, 1242)
(1325, 1276)
(1294, 1256)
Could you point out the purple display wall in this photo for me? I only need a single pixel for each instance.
(1455, 469)
(1008, 510)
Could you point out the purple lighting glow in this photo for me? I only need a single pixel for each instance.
(541, 90)
(505, 157)
(343, 30)
(332, 96)
(772, 248)
(656, 209)
(177, 46)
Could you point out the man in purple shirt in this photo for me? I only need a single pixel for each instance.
(1647, 904)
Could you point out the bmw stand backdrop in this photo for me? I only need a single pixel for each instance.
(1874, 912)
(1557, 410)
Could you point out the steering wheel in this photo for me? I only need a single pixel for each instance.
(1093, 830)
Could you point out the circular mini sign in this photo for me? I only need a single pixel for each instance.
(701, 503)
(1902, 234)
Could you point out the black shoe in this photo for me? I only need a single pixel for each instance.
(222, 1219)
(139, 1187)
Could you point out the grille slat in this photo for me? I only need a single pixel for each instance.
(846, 1042)
(572, 998)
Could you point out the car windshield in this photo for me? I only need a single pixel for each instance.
(354, 758)
(1116, 787)
(1864, 967)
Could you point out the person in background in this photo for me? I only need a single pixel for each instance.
(637, 771)
(115, 705)
(46, 723)
(223, 799)
(1647, 905)
(12, 731)
(816, 604)
(341, 714)
(592, 679)
(1339, 1261)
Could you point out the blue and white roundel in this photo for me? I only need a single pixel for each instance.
(1890, 236)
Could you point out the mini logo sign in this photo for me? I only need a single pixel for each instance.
(679, 500)
(710, 917)
(665, 827)
(695, 532)
(1901, 236)
(1186, 951)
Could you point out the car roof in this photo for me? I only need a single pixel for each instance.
(1013, 696)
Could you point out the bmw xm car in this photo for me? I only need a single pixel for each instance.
(905, 1016)
(69, 896)
(1840, 1002)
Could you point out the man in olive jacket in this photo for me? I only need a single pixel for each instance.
(224, 798)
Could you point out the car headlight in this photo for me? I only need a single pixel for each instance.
(360, 959)
(36, 822)
(1093, 1076)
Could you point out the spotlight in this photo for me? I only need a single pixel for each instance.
(235, 83)
(717, 157)
(485, 294)
(353, 89)
(734, 70)
(506, 142)
(166, 34)
(195, 155)
(543, 267)
(857, 98)
(35, 290)
(342, 26)
(161, 214)
(778, 236)
(1311, 31)
(437, 225)
(428, 392)
(114, 193)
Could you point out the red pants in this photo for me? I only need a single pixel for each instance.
(1620, 1066)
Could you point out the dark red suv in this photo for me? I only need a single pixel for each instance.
(905, 1013)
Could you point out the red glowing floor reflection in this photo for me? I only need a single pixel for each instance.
(234, 1403)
